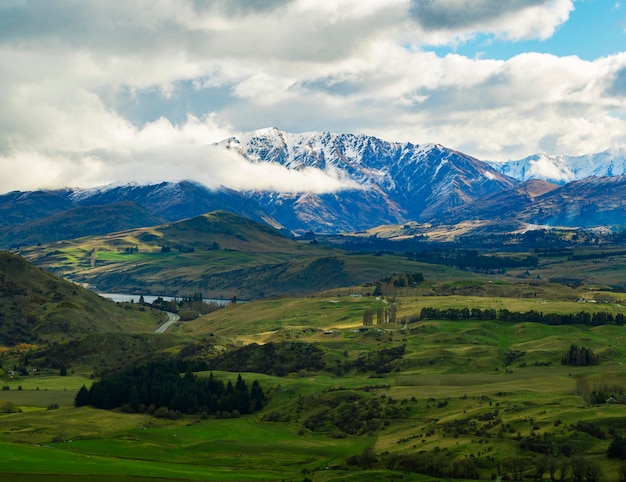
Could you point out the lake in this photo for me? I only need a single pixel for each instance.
(126, 298)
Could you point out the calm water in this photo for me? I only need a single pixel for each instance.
(125, 298)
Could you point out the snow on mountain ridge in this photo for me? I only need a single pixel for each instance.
(563, 169)
(402, 181)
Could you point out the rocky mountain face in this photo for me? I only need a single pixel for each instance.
(385, 183)
(594, 201)
(397, 181)
(591, 202)
(564, 169)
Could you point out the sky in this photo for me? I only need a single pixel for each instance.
(94, 92)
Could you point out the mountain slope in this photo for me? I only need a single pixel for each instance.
(507, 204)
(173, 201)
(403, 181)
(586, 203)
(21, 207)
(37, 306)
(28, 218)
(78, 222)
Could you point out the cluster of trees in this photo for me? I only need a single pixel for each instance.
(384, 360)
(160, 385)
(188, 307)
(187, 249)
(580, 357)
(580, 318)
(346, 412)
(386, 314)
(437, 464)
(597, 255)
(401, 280)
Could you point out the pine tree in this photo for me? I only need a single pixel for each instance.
(82, 397)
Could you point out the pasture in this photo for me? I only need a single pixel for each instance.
(443, 396)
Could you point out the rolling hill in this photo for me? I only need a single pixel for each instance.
(218, 254)
(36, 306)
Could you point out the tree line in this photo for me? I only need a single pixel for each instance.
(159, 385)
(580, 318)
(473, 260)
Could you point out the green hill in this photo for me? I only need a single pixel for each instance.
(36, 306)
(218, 254)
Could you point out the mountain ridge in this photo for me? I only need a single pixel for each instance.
(561, 169)
(407, 181)
(386, 183)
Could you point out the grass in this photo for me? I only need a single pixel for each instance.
(133, 445)
(451, 379)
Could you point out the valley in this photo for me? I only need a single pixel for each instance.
(418, 396)
(434, 320)
(407, 398)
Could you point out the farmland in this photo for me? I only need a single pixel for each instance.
(455, 393)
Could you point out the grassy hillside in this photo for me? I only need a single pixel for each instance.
(417, 399)
(36, 306)
(475, 399)
(219, 254)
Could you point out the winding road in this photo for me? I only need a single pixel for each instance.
(172, 318)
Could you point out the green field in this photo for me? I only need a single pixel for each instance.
(451, 379)
(417, 399)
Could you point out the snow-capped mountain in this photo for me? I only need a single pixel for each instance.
(564, 169)
(396, 181)
(383, 183)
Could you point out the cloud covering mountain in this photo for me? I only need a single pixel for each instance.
(564, 169)
(113, 91)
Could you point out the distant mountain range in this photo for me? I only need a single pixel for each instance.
(564, 169)
(395, 183)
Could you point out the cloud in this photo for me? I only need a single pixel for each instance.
(161, 151)
(617, 86)
(509, 19)
(122, 91)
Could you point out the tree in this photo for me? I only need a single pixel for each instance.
(368, 317)
(622, 472)
(585, 470)
(82, 397)
(541, 466)
(133, 398)
(517, 466)
(617, 449)
(378, 290)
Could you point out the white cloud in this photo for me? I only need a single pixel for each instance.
(121, 91)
